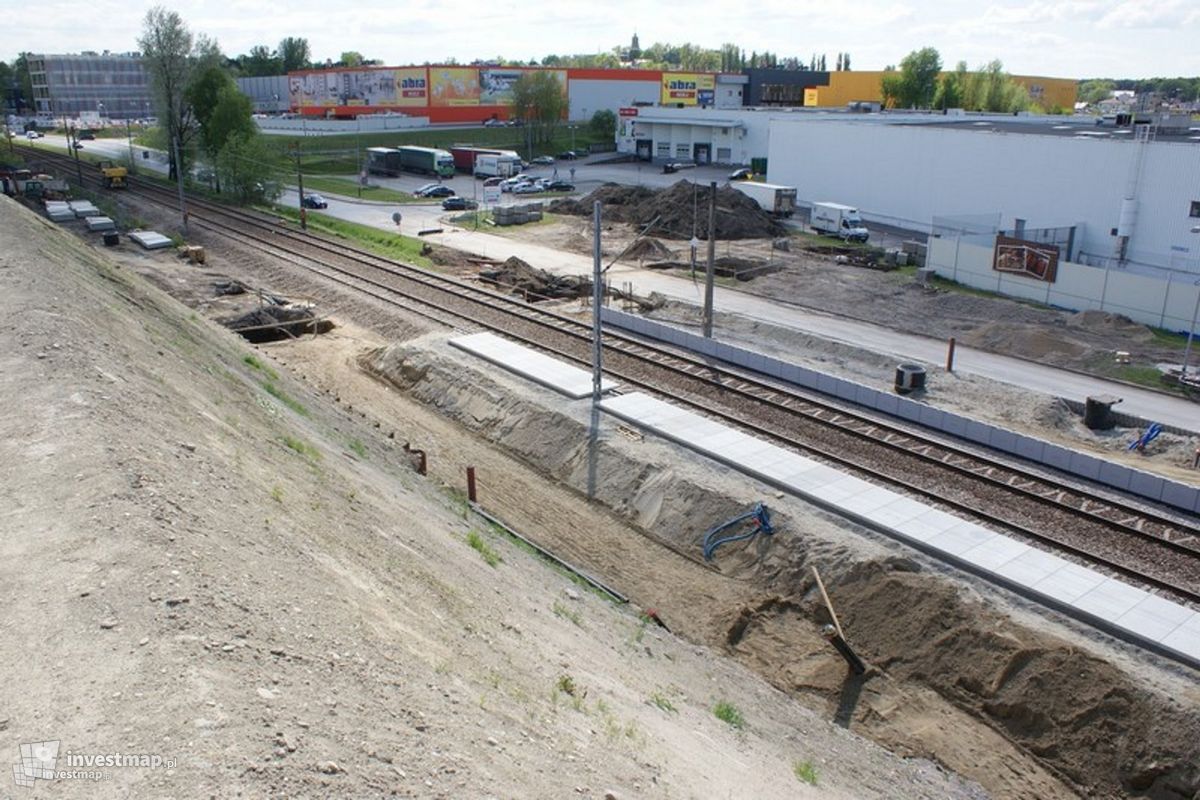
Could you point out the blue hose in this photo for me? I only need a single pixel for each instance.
(761, 516)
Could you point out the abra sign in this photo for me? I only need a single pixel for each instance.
(687, 88)
(628, 112)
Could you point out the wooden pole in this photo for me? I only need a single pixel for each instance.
(825, 596)
(950, 356)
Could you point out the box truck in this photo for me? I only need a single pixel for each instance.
(496, 166)
(779, 201)
(838, 220)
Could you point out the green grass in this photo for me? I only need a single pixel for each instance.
(302, 447)
(477, 543)
(254, 363)
(381, 242)
(729, 714)
(359, 449)
(805, 771)
(566, 685)
(348, 188)
(277, 493)
(664, 704)
(279, 395)
(562, 611)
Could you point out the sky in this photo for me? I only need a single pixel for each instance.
(1068, 38)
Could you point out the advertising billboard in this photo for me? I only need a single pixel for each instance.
(1031, 259)
(412, 87)
(453, 86)
(688, 88)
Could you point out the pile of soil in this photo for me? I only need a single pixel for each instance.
(678, 210)
(535, 284)
(649, 249)
(1108, 324)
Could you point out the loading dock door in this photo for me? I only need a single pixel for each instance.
(645, 149)
(702, 153)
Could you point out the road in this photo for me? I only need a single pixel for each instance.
(117, 149)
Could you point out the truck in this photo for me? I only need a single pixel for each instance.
(778, 201)
(836, 219)
(465, 155)
(391, 161)
(497, 166)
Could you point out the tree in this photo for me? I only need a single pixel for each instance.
(846, 62)
(221, 110)
(24, 88)
(171, 57)
(539, 99)
(351, 58)
(294, 53)
(952, 88)
(244, 167)
(1092, 92)
(604, 124)
(915, 83)
(260, 61)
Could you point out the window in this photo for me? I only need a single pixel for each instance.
(1195, 212)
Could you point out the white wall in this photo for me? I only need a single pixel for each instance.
(590, 96)
(1143, 298)
(368, 123)
(907, 174)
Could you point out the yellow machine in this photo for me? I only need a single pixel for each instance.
(115, 176)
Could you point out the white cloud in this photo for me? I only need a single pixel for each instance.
(1074, 38)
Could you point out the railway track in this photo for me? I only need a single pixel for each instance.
(1099, 528)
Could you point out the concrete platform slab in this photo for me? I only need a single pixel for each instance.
(150, 240)
(538, 367)
(1123, 609)
(95, 224)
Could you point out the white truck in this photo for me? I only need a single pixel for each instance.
(779, 201)
(838, 220)
(496, 166)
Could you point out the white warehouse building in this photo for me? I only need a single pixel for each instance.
(1133, 196)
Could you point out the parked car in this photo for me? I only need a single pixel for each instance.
(675, 166)
(559, 186)
(507, 184)
(743, 174)
(527, 188)
(33, 135)
(420, 191)
(437, 190)
(492, 123)
(567, 155)
(86, 136)
(458, 204)
(543, 160)
(315, 201)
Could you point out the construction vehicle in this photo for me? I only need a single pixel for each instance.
(115, 176)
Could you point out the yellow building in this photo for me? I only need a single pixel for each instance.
(848, 87)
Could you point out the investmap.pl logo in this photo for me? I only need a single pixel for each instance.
(42, 761)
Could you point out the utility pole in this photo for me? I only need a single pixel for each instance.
(179, 178)
(597, 299)
(358, 153)
(300, 181)
(75, 147)
(712, 257)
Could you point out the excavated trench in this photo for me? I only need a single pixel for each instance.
(1000, 697)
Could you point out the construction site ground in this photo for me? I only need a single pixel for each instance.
(405, 662)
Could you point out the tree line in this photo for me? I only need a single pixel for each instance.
(920, 83)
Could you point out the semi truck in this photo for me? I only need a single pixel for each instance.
(465, 155)
(391, 161)
(497, 166)
(836, 219)
(779, 201)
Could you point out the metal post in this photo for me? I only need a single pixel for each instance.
(358, 153)
(471, 484)
(300, 181)
(950, 356)
(597, 299)
(78, 168)
(129, 136)
(1187, 349)
(179, 179)
(712, 258)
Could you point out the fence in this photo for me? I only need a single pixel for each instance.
(1143, 484)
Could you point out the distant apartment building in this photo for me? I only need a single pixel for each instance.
(112, 85)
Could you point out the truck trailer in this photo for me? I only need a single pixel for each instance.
(391, 161)
(836, 219)
(497, 166)
(465, 155)
(779, 201)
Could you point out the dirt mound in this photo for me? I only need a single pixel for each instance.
(1107, 324)
(534, 284)
(649, 250)
(678, 211)
(1028, 341)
